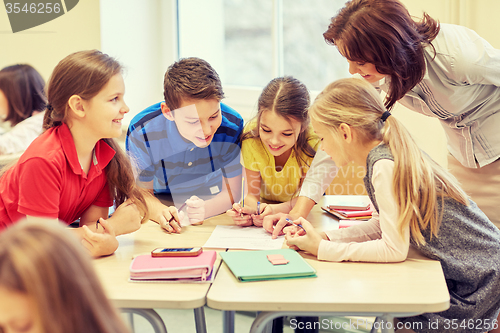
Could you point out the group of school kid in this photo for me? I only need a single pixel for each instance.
(195, 149)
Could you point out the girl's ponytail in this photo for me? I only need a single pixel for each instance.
(414, 186)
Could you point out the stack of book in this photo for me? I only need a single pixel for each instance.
(350, 210)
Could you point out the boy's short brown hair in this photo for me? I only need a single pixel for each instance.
(191, 78)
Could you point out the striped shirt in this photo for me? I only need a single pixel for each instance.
(177, 166)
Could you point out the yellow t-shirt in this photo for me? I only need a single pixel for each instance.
(275, 186)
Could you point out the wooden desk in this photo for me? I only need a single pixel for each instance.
(114, 270)
(386, 290)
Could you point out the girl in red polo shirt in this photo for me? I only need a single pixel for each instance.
(75, 170)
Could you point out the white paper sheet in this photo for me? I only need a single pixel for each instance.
(248, 238)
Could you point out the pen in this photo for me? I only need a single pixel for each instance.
(296, 224)
(258, 207)
(178, 210)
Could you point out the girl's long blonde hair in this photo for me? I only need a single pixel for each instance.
(419, 182)
(46, 262)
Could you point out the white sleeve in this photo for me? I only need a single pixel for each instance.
(20, 136)
(379, 239)
(477, 62)
(319, 176)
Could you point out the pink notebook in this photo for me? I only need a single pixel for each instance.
(146, 267)
(356, 213)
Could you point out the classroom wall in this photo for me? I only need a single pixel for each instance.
(142, 36)
(479, 15)
(45, 45)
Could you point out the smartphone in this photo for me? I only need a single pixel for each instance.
(176, 252)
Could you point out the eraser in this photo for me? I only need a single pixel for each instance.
(277, 259)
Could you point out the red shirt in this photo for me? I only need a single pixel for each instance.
(48, 180)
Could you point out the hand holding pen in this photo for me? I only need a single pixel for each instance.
(263, 210)
(170, 219)
(308, 241)
(296, 224)
(242, 216)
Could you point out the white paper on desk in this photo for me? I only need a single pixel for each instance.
(248, 238)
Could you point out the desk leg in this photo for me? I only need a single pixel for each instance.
(199, 319)
(228, 321)
(264, 320)
(151, 316)
(385, 319)
(130, 317)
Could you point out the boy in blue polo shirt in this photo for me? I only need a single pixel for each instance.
(188, 146)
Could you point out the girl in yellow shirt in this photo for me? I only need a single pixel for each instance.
(277, 149)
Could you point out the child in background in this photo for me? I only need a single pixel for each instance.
(416, 202)
(74, 170)
(22, 102)
(48, 284)
(187, 148)
(277, 148)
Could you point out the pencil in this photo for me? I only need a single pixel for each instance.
(242, 191)
(367, 217)
(258, 207)
(242, 195)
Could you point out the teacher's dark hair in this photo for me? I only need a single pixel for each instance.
(383, 33)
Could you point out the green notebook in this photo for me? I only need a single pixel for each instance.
(254, 265)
